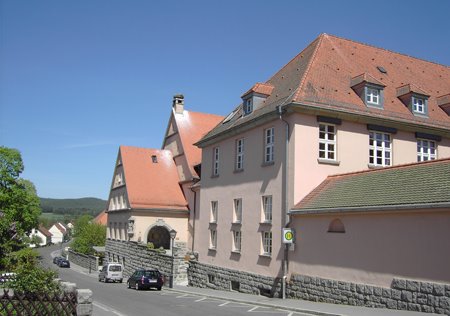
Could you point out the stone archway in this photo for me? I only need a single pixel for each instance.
(159, 236)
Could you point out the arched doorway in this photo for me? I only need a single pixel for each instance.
(159, 236)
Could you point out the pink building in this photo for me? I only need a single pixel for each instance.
(337, 107)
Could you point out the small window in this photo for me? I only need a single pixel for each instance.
(426, 150)
(418, 105)
(235, 286)
(269, 141)
(211, 278)
(373, 96)
(327, 141)
(216, 161)
(267, 243)
(267, 209)
(239, 154)
(248, 106)
(214, 209)
(154, 159)
(237, 218)
(336, 226)
(212, 239)
(237, 239)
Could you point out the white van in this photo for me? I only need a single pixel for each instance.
(111, 272)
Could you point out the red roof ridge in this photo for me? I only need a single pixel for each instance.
(381, 169)
(311, 61)
(295, 57)
(385, 49)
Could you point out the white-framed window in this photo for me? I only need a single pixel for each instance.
(216, 156)
(212, 238)
(239, 154)
(426, 150)
(118, 180)
(269, 141)
(373, 96)
(266, 243)
(130, 226)
(120, 231)
(267, 209)
(214, 210)
(237, 208)
(418, 105)
(237, 240)
(327, 141)
(110, 230)
(380, 149)
(248, 106)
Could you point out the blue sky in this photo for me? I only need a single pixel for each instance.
(80, 78)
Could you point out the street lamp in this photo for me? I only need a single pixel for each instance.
(173, 234)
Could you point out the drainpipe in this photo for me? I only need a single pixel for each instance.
(286, 217)
(195, 180)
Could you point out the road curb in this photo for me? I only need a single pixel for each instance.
(262, 304)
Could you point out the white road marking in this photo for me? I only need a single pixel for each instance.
(107, 309)
(226, 303)
(202, 299)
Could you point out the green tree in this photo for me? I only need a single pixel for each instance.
(19, 204)
(30, 278)
(87, 234)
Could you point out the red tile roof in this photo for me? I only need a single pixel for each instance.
(192, 126)
(320, 77)
(262, 88)
(336, 61)
(61, 227)
(151, 185)
(101, 218)
(45, 231)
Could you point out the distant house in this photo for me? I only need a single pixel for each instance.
(43, 234)
(101, 218)
(58, 231)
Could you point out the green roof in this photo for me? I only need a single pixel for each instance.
(425, 184)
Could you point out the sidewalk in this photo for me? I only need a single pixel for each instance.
(301, 306)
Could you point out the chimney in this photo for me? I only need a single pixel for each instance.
(178, 103)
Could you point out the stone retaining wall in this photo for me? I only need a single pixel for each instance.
(213, 277)
(85, 261)
(134, 255)
(403, 295)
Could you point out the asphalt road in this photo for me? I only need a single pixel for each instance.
(117, 299)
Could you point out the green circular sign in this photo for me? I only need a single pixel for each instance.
(288, 235)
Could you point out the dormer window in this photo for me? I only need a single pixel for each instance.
(418, 105)
(414, 98)
(254, 98)
(248, 107)
(369, 89)
(372, 96)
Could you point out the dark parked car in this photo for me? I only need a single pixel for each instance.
(145, 279)
(56, 259)
(63, 263)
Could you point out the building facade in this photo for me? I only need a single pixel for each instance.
(337, 107)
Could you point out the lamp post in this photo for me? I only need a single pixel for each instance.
(173, 234)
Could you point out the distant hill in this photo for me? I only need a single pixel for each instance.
(91, 206)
